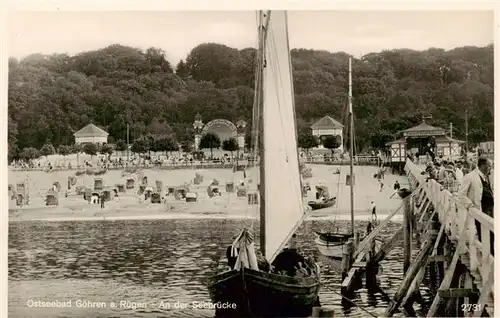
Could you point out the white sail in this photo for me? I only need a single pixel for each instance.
(284, 209)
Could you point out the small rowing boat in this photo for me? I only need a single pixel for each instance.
(316, 205)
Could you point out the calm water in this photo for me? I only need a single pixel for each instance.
(147, 262)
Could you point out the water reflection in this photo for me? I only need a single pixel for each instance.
(148, 261)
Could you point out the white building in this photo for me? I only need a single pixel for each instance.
(91, 134)
(448, 147)
(327, 126)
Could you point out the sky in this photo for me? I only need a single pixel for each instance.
(354, 32)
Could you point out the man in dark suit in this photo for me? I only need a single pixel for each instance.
(476, 191)
(487, 200)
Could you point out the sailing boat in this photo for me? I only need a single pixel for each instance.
(331, 244)
(249, 289)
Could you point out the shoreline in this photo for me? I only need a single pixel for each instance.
(189, 166)
(360, 216)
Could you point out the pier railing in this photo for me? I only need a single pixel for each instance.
(460, 226)
(332, 160)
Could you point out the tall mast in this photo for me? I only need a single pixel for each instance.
(351, 146)
(263, 23)
(128, 146)
(466, 133)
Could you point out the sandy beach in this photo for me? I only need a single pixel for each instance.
(228, 205)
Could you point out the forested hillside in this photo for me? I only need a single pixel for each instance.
(51, 97)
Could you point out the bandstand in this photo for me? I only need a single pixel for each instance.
(420, 140)
(223, 128)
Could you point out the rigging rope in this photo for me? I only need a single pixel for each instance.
(338, 199)
(256, 115)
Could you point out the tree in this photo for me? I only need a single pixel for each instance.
(120, 145)
(307, 141)
(186, 146)
(248, 141)
(181, 70)
(164, 143)
(13, 152)
(29, 154)
(158, 128)
(230, 145)
(52, 96)
(47, 150)
(76, 148)
(107, 149)
(331, 142)
(157, 60)
(90, 149)
(210, 141)
(64, 150)
(212, 62)
(141, 145)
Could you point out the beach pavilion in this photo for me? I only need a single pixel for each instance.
(327, 126)
(420, 139)
(223, 128)
(91, 134)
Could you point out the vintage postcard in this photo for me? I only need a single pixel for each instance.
(291, 162)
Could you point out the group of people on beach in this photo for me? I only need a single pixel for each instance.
(120, 162)
(380, 175)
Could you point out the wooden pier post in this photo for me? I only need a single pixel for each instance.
(347, 257)
(410, 275)
(356, 240)
(322, 312)
(407, 228)
(371, 268)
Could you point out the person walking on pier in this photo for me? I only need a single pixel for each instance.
(374, 212)
(397, 186)
(441, 175)
(381, 185)
(459, 173)
(101, 198)
(476, 191)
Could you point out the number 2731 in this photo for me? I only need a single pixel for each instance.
(471, 307)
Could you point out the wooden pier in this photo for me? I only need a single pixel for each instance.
(456, 266)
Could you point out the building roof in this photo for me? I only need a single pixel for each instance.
(399, 141)
(448, 139)
(91, 130)
(327, 122)
(424, 130)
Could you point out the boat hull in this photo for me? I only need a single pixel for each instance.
(333, 246)
(261, 294)
(321, 205)
(329, 249)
